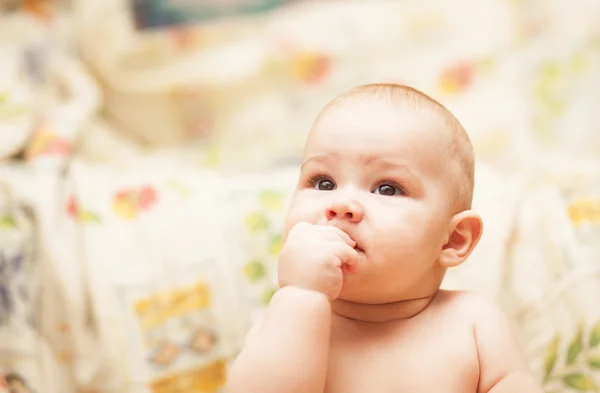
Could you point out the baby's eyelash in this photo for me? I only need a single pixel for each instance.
(317, 178)
(393, 184)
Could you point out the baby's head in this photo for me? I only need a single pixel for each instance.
(394, 169)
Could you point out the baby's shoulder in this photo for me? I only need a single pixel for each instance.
(466, 304)
(463, 299)
(500, 359)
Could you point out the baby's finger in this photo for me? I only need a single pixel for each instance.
(347, 254)
(353, 258)
(345, 237)
(338, 262)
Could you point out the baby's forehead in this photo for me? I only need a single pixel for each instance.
(374, 143)
(370, 119)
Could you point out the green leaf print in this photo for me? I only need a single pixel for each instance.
(179, 187)
(271, 200)
(575, 348)
(256, 222)
(255, 271)
(268, 294)
(579, 362)
(551, 355)
(594, 362)
(211, 158)
(7, 222)
(89, 217)
(595, 335)
(276, 244)
(579, 382)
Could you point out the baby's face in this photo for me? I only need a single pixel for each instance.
(378, 174)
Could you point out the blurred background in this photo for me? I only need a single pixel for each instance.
(148, 149)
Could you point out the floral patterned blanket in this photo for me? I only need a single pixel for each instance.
(157, 259)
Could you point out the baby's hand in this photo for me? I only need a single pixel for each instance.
(316, 257)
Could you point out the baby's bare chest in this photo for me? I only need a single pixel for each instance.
(435, 359)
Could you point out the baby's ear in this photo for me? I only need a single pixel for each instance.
(464, 234)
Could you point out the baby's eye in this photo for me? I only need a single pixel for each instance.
(388, 189)
(322, 183)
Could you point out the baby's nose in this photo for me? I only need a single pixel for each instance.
(351, 211)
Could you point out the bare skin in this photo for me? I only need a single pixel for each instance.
(448, 347)
(369, 236)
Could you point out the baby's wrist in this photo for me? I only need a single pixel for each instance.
(305, 293)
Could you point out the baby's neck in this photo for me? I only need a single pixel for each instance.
(375, 313)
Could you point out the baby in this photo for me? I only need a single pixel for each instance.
(381, 210)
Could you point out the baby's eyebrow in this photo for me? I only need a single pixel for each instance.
(393, 163)
(367, 160)
(387, 163)
(396, 164)
(315, 159)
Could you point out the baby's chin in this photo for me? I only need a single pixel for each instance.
(372, 286)
(364, 289)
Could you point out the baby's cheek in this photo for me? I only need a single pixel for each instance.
(299, 213)
(398, 229)
(403, 242)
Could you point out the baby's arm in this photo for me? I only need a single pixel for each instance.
(502, 366)
(288, 351)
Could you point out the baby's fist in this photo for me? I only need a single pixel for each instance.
(315, 257)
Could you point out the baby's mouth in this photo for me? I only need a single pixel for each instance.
(358, 249)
